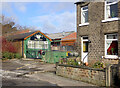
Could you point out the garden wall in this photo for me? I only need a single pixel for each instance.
(100, 77)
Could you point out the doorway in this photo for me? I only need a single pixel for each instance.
(84, 49)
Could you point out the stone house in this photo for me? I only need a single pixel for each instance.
(98, 31)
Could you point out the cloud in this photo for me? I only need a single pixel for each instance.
(20, 6)
(6, 6)
(57, 6)
(8, 11)
(53, 23)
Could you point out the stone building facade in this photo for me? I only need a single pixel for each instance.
(98, 27)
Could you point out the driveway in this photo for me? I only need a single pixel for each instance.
(28, 72)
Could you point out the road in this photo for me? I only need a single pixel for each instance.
(14, 71)
(34, 73)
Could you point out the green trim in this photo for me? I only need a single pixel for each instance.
(33, 53)
(56, 41)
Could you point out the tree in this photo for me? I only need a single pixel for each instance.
(7, 25)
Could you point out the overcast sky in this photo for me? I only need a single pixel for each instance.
(48, 17)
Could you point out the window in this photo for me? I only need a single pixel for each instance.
(84, 14)
(30, 44)
(38, 44)
(111, 9)
(111, 45)
(85, 46)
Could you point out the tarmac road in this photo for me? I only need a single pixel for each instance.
(13, 75)
(35, 74)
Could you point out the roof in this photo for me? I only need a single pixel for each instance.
(17, 32)
(24, 36)
(72, 36)
(59, 35)
(69, 40)
(82, 1)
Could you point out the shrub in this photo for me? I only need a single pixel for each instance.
(68, 62)
(98, 65)
(5, 55)
(17, 55)
(8, 46)
(8, 55)
(61, 61)
(72, 62)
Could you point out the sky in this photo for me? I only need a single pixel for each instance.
(48, 17)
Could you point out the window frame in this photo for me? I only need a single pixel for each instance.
(110, 56)
(32, 44)
(106, 9)
(82, 15)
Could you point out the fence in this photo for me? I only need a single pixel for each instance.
(54, 56)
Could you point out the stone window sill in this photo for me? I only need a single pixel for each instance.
(110, 57)
(83, 24)
(110, 19)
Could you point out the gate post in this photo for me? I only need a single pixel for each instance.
(108, 75)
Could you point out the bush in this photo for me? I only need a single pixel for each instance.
(68, 62)
(8, 55)
(72, 62)
(61, 61)
(17, 55)
(98, 65)
(8, 46)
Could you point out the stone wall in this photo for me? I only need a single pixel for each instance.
(119, 29)
(110, 61)
(109, 76)
(90, 75)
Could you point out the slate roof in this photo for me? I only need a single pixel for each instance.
(24, 36)
(59, 35)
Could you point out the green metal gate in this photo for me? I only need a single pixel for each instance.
(54, 56)
(33, 54)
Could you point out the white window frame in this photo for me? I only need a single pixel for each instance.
(37, 44)
(30, 44)
(45, 44)
(110, 56)
(83, 23)
(105, 15)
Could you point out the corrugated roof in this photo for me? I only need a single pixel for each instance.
(59, 35)
(25, 36)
